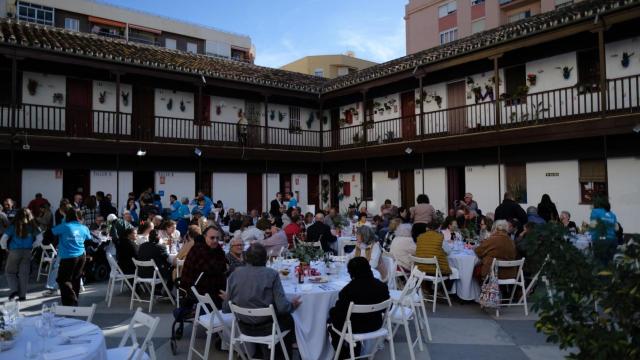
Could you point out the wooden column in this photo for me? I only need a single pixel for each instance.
(12, 109)
(117, 104)
(603, 71)
(421, 89)
(198, 115)
(266, 121)
(321, 110)
(364, 119)
(496, 89)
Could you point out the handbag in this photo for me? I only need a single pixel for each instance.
(490, 293)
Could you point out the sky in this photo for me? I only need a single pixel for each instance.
(286, 30)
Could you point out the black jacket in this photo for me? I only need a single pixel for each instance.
(125, 251)
(321, 232)
(158, 253)
(275, 208)
(360, 291)
(548, 212)
(509, 210)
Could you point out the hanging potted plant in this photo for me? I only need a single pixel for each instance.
(348, 116)
(566, 71)
(183, 107)
(532, 78)
(125, 98)
(438, 100)
(280, 116)
(325, 190)
(102, 97)
(477, 93)
(170, 104)
(626, 57)
(272, 115)
(310, 120)
(32, 87)
(488, 92)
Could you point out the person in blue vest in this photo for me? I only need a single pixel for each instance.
(603, 229)
(180, 213)
(293, 201)
(201, 196)
(19, 239)
(72, 234)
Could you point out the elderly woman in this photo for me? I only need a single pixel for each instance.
(498, 246)
(403, 247)
(235, 256)
(367, 246)
(390, 235)
(169, 234)
(450, 233)
(485, 227)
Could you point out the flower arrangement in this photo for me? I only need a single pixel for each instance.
(532, 78)
(307, 254)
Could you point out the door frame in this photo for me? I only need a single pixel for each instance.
(457, 118)
(408, 126)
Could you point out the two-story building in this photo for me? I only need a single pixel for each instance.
(548, 104)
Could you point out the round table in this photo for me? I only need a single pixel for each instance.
(466, 287)
(92, 342)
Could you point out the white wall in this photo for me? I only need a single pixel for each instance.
(41, 181)
(355, 179)
(299, 183)
(162, 98)
(624, 191)
(105, 122)
(231, 188)
(383, 188)
(180, 184)
(435, 186)
(42, 118)
(270, 186)
(623, 93)
(482, 182)
(107, 181)
(548, 77)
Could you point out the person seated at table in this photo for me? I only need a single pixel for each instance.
(308, 220)
(169, 234)
(470, 220)
(208, 258)
(157, 221)
(235, 256)
(143, 232)
(533, 217)
(228, 217)
(286, 217)
(363, 289)
(500, 246)
(203, 207)
(485, 227)
(127, 250)
(450, 233)
(565, 219)
(235, 223)
(331, 218)
(320, 231)
(403, 247)
(257, 286)
(193, 233)
(368, 247)
(391, 233)
(274, 241)
(429, 244)
(293, 229)
(404, 214)
(388, 210)
(153, 250)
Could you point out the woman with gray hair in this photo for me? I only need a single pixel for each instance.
(498, 246)
(367, 246)
(403, 247)
(235, 256)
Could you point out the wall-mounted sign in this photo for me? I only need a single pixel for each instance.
(162, 180)
(552, 174)
(102, 173)
(58, 173)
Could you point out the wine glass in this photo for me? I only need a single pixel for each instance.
(43, 330)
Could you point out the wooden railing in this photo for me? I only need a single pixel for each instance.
(622, 95)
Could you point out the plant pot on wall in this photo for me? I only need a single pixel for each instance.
(32, 87)
(102, 97)
(125, 98)
(626, 59)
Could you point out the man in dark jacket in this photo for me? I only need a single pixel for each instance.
(319, 231)
(509, 210)
(276, 204)
(152, 250)
(126, 250)
(362, 290)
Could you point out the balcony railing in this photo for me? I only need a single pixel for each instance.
(545, 107)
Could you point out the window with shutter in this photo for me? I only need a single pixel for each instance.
(294, 119)
(593, 180)
(516, 176)
(367, 191)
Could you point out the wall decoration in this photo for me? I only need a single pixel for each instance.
(324, 193)
(477, 93)
(218, 110)
(58, 98)
(626, 57)
(470, 80)
(532, 79)
(325, 120)
(32, 87)
(102, 97)
(394, 104)
(182, 106)
(272, 115)
(566, 71)
(428, 98)
(310, 119)
(170, 104)
(438, 100)
(488, 92)
(280, 116)
(125, 98)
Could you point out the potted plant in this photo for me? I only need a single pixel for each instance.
(368, 124)
(438, 100)
(324, 194)
(477, 93)
(388, 136)
(307, 254)
(532, 78)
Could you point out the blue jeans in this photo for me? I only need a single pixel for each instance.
(53, 275)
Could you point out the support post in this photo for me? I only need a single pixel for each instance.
(364, 119)
(496, 90)
(198, 116)
(321, 112)
(606, 166)
(422, 170)
(499, 174)
(12, 109)
(603, 71)
(421, 89)
(266, 121)
(118, 104)
(118, 176)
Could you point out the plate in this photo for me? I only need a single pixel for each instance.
(318, 279)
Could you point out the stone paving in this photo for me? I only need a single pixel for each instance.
(459, 332)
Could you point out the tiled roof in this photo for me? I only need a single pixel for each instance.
(47, 38)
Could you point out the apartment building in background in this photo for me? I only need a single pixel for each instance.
(430, 23)
(131, 25)
(328, 66)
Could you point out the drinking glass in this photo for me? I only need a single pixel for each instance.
(43, 330)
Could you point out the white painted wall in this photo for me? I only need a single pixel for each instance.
(624, 191)
(162, 98)
(623, 93)
(104, 119)
(231, 188)
(383, 188)
(355, 179)
(179, 183)
(299, 184)
(51, 118)
(270, 186)
(41, 181)
(107, 181)
(435, 186)
(482, 182)
(548, 77)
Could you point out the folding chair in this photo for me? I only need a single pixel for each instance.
(389, 264)
(237, 337)
(136, 350)
(397, 273)
(436, 279)
(516, 282)
(116, 275)
(179, 290)
(212, 320)
(534, 281)
(418, 301)
(47, 258)
(346, 333)
(344, 244)
(155, 279)
(76, 311)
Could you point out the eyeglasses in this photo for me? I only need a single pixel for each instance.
(215, 237)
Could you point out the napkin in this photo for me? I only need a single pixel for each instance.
(64, 354)
(77, 331)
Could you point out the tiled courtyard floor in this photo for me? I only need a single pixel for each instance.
(459, 332)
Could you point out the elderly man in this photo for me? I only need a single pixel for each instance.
(565, 219)
(274, 241)
(320, 231)
(235, 256)
(533, 217)
(257, 286)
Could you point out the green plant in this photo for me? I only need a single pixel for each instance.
(356, 203)
(307, 254)
(341, 221)
(324, 193)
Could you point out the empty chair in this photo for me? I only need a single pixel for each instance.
(76, 311)
(344, 244)
(137, 350)
(237, 337)
(346, 334)
(515, 282)
(116, 275)
(49, 254)
(389, 264)
(152, 282)
(179, 291)
(212, 320)
(437, 279)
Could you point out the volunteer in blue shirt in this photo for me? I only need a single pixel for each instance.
(71, 237)
(180, 213)
(293, 202)
(19, 238)
(605, 223)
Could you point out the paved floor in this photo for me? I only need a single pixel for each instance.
(459, 332)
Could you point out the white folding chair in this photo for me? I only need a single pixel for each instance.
(344, 244)
(516, 282)
(116, 275)
(49, 254)
(179, 291)
(406, 307)
(76, 311)
(436, 279)
(155, 279)
(389, 264)
(397, 273)
(212, 320)
(317, 244)
(418, 301)
(346, 333)
(137, 350)
(534, 281)
(237, 337)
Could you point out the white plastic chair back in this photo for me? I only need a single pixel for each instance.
(138, 349)
(271, 340)
(76, 311)
(517, 281)
(437, 278)
(344, 244)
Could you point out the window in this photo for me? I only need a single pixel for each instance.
(477, 26)
(239, 55)
(516, 176)
(593, 180)
(519, 16)
(589, 69)
(448, 35)
(35, 13)
(192, 47)
(563, 3)
(170, 43)
(516, 80)
(447, 9)
(294, 119)
(367, 186)
(72, 24)
(319, 72)
(343, 70)
(477, 2)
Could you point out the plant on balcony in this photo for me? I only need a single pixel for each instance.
(281, 116)
(626, 59)
(532, 78)
(125, 98)
(342, 122)
(470, 80)
(102, 97)
(58, 98)
(32, 87)
(566, 71)
(394, 104)
(340, 188)
(488, 92)
(438, 100)
(170, 104)
(324, 193)
(356, 203)
(389, 136)
(310, 119)
(272, 115)
(183, 107)
(368, 124)
(325, 120)
(477, 93)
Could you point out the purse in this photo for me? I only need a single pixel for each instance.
(490, 293)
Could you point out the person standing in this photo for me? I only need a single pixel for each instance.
(35, 204)
(422, 214)
(293, 201)
(276, 204)
(72, 235)
(19, 239)
(547, 209)
(509, 210)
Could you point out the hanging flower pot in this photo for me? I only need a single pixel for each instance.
(182, 106)
(32, 87)
(170, 104)
(280, 116)
(532, 79)
(626, 57)
(566, 71)
(218, 110)
(102, 97)
(272, 115)
(125, 98)
(58, 98)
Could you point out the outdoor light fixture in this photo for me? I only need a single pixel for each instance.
(204, 81)
(68, 154)
(408, 151)
(197, 151)
(141, 152)
(636, 129)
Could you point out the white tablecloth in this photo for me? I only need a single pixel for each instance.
(94, 350)
(466, 287)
